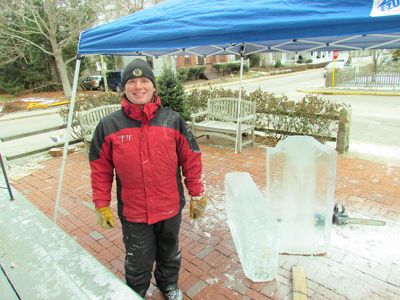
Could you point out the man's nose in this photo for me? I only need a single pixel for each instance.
(137, 84)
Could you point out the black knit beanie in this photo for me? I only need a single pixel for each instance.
(136, 69)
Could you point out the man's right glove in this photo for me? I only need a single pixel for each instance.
(198, 207)
(105, 217)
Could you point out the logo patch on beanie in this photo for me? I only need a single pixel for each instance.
(137, 73)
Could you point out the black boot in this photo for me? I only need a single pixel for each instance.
(172, 293)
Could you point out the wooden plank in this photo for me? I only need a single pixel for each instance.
(299, 283)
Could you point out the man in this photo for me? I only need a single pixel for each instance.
(148, 146)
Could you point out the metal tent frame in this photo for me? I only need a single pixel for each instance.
(207, 28)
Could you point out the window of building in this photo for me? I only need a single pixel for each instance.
(187, 60)
(200, 60)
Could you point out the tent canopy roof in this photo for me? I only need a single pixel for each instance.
(209, 27)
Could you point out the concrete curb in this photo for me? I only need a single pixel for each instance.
(349, 92)
(19, 136)
(27, 114)
(42, 150)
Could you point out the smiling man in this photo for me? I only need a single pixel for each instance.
(149, 147)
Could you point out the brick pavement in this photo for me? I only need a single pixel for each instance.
(363, 262)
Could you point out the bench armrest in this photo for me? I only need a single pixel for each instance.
(87, 131)
(199, 114)
(247, 118)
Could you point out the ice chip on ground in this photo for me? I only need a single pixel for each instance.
(253, 227)
(59, 137)
(300, 187)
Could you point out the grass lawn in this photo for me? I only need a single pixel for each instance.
(6, 98)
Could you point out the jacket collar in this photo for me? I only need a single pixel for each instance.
(141, 112)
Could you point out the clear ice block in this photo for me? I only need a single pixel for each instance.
(253, 227)
(300, 187)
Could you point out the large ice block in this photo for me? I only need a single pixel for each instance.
(300, 187)
(253, 227)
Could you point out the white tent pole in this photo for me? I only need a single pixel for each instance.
(240, 99)
(67, 135)
(241, 79)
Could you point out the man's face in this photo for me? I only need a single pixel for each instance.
(139, 90)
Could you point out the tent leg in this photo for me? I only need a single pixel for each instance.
(3, 168)
(240, 98)
(67, 135)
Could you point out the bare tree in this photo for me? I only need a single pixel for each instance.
(52, 26)
(114, 9)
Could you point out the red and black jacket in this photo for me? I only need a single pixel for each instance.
(148, 146)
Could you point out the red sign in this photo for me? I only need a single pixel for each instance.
(335, 54)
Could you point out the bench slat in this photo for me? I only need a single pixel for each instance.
(89, 119)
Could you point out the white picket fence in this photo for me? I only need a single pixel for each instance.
(353, 78)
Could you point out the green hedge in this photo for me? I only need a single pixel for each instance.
(229, 68)
(192, 73)
(310, 116)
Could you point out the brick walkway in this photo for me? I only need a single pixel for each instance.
(363, 263)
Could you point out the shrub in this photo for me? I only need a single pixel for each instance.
(230, 68)
(396, 55)
(255, 59)
(171, 92)
(310, 116)
(182, 73)
(196, 99)
(192, 73)
(195, 73)
(300, 59)
(278, 64)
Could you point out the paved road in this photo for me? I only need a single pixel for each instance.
(287, 84)
(375, 119)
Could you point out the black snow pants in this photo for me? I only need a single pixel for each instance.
(145, 244)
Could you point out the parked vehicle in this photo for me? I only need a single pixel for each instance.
(91, 82)
(114, 79)
(339, 64)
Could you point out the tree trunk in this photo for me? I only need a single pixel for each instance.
(62, 70)
(375, 66)
(50, 7)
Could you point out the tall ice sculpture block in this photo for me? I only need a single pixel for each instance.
(300, 187)
(253, 227)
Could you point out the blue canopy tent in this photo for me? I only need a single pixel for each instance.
(210, 27)
(223, 26)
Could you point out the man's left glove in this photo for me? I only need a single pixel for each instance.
(105, 217)
(198, 207)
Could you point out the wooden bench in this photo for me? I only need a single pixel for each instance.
(89, 119)
(221, 119)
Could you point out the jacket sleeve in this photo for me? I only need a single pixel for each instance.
(102, 168)
(189, 156)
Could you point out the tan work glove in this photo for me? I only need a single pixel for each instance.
(198, 207)
(105, 217)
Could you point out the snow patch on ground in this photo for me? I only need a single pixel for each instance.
(380, 153)
(212, 280)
